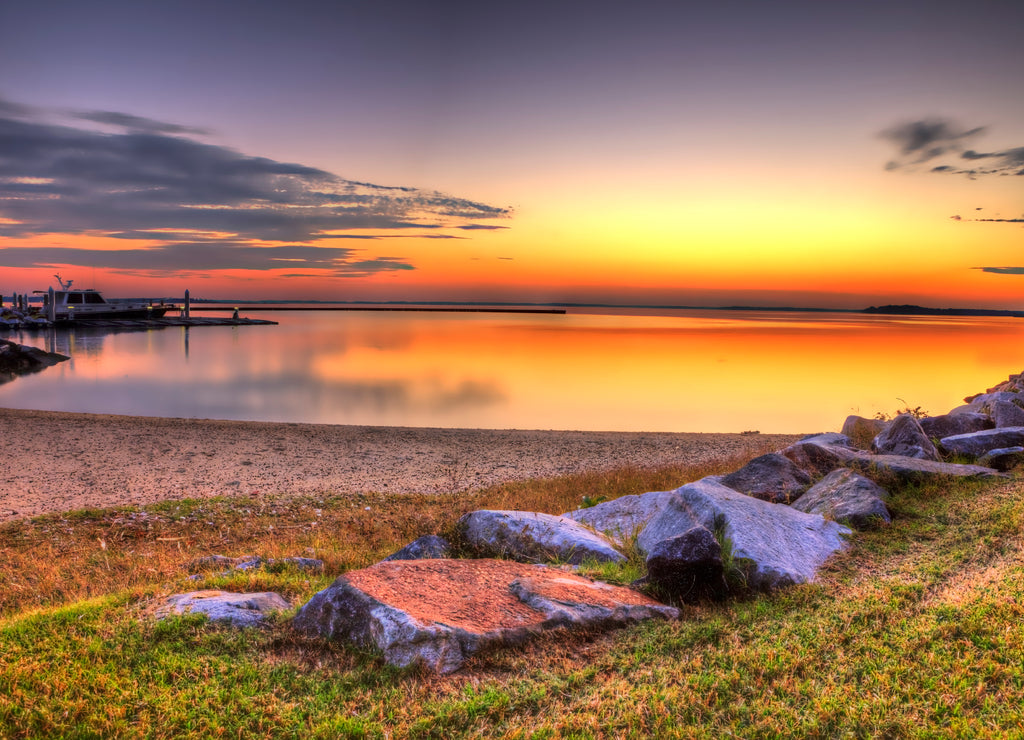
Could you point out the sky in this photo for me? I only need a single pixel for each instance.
(700, 154)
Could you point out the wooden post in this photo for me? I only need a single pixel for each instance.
(51, 306)
(187, 304)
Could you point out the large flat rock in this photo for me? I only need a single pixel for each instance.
(439, 612)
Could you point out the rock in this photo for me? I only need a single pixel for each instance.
(772, 477)
(17, 359)
(846, 497)
(905, 437)
(984, 402)
(816, 459)
(439, 612)
(777, 545)
(622, 518)
(1006, 414)
(240, 610)
(911, 470)
(1014, 384)
(860, 431)
(829, 439)
(1003, 459)
(688, 567)
(311, 564)
(428, 547)
(963, 422)
(977, 444)
(533, 537)
(249, 562)
(252, 562)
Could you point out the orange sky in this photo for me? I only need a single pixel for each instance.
(830, 156)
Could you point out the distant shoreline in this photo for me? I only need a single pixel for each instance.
(503, 307)
(562, 308)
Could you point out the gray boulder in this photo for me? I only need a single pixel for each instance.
(861, 430)
(428, 547)
(238, 610)
(688, 567)
(818, 460)
(1007, 414)
(437, 613)
(905, 437)
(829, 439)
(846, 497)
(622, 518)
(777, 545)
(977, 444)
(1003, 459)
(772, 477)
(964, 422)
(912, 470)
(532, 537)
(983, 402)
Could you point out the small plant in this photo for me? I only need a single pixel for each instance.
(590, 502)
(917, 412)
(734, 569)
(453, 472)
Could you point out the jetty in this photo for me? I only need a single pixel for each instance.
(165, 321)
(93, 311)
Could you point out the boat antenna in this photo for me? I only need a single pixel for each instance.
(63, 285)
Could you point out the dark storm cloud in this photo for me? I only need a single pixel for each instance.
(1002, 270)
(148, 181)
(920, 142)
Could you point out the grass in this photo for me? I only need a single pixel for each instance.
(917, 630)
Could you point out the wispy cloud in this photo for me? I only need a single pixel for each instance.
(1002, 270)
(205, 256)
(154, 181)
(941, 146)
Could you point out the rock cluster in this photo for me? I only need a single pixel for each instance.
(771, 524)
(17, 359)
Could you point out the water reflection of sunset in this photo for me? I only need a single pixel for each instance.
(703, 371)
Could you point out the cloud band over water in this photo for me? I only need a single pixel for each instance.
(198, 205)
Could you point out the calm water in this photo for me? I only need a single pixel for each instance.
(692, 371)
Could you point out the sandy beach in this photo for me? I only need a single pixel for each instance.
(56, 461)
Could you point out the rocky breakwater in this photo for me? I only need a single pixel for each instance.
(771, 524)
(17, 359)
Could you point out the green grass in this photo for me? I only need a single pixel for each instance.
(916, 631)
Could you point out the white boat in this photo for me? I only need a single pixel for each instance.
(87, 304)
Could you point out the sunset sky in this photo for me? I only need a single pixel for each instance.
(703, 154)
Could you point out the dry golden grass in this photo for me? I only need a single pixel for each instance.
(58, 559)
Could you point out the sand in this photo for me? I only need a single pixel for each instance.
(56, 461)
